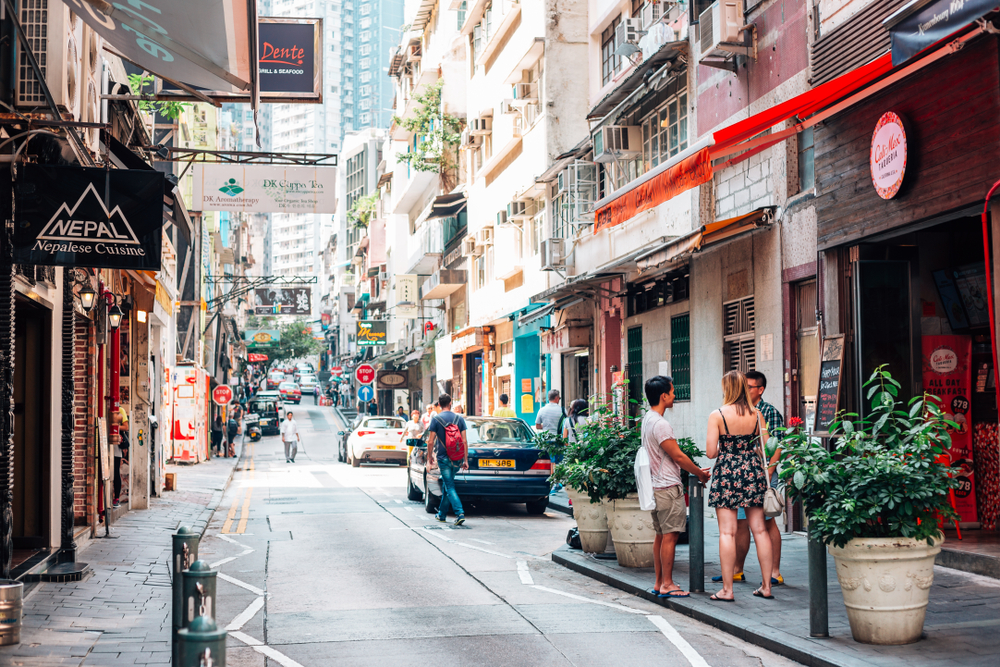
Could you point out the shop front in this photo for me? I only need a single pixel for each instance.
(472, 379)
(568, 348)
(901, 182)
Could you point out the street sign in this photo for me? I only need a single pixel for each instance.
(365, 374)
(366, 393)
(222, 395)
(337, 371)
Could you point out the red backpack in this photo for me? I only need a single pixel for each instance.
(453, 444)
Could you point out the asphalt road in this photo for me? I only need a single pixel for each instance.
(324, 564)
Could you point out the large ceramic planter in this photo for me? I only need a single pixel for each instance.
(632, 530)
(591, 521)
(886, 582)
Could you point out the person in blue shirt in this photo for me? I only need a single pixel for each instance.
(436, 451)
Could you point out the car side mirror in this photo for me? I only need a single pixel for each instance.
(341, 432)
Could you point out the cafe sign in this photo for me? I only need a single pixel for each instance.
(888, 155)
(392, 379)
(564, 339)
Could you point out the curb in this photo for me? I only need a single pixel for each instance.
(565, 509)
(205, 518)
(799, 649)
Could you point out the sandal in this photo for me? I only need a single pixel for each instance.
(676, 593)
(758, 594)
(718, 599)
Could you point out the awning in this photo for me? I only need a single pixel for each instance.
(447, 206)
(923, 23)
(677, 251)
(181, 43)
(414, 356)
(535, 315)
(636, 78)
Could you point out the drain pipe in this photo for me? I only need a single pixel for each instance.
(989, 282)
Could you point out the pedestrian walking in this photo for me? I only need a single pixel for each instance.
(218, 429)
(550, 418)
(505, 410)
(669, 516)
(120, 453)
(577, 416)
(411, 433)
(448, 447)
(290, 437)
(736, 434)
(232, 426)
(401, 411)
(345, 394)
(372, 409)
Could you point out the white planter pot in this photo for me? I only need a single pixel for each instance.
(632, 530)
(886, 582)
(591, 521)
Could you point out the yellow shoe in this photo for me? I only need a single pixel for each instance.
(739, 577)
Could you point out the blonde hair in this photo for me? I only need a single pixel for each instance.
(736, 393)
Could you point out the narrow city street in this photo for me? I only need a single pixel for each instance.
(322, 564)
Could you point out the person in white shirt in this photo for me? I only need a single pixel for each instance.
(412, 432)
(290, 436)
(665, 462)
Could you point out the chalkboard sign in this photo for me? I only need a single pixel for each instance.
(830, 372)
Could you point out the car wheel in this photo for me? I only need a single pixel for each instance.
(412, 492)
(430, 500)
(350, 457)
(536, 507)
(341, 457)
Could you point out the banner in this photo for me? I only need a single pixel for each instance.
(254, 357)
(97, 218)
(283, 300)
(261, 338)
(371, 333)
(948, 375)
(263, 188)
(912, 31)
(406, 293)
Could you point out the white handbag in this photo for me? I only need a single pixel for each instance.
(774, 499)
(644, 480)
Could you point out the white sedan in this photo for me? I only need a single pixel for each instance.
(377, 439)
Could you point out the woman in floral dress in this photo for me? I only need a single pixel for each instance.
(736, 433)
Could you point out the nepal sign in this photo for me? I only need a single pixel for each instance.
(259, 188)
(99, 218)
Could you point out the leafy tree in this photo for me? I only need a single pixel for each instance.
(142, 86)
(363, 210)
(438, 135)
(296, 342)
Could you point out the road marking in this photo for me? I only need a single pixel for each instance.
(246, 615)
(246, 639)
(232, 513)
(224, 561)
(399, 502)
(480, 541)
(612, 605)
(675, 638)
(408, 509)
(279, 658)
(485, 551)
(230, 540)
(435, 534)
(245, 513)
(524, 573)
(241, 584)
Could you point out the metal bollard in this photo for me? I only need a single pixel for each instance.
(184, 554)
(696, 535)
(202, 644)
(819, 621)
(199, 592)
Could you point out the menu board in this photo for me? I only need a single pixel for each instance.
(830, 373)
(963, 295)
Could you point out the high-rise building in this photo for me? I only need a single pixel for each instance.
(370, 30)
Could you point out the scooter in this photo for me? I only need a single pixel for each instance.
(253, 428)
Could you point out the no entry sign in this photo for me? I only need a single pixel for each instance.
(222, 395)
(365, 374)
(337, 371)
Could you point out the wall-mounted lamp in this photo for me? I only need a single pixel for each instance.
(140, 315)
(115, 316)
(87, 297)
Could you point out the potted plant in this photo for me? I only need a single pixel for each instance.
(877, 498)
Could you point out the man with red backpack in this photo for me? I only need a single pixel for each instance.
(447, 444)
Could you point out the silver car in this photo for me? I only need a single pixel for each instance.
(309, 384)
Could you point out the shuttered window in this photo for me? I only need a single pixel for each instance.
(740, 350)
(680, 356)
(634, 370)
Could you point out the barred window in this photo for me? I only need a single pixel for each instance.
(739, 342)
(665, 131)
(680, 356)
(610, 63)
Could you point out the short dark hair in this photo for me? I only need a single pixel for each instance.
(757, 376)
(554, 394)
(444, 400)
(504, 398)
(657, 386)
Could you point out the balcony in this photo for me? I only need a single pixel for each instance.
(427, 245)
(442, 283)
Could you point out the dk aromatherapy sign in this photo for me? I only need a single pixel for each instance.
(100, 218)
(255, 188)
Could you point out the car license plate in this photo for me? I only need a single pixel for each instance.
(496, 463)
(387, 447)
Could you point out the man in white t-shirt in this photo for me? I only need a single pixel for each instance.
(290, 437)
(665, 462)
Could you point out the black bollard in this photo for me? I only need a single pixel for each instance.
(696, 535)
(819, 617)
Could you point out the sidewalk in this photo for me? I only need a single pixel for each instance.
(960, 629)
(120, 613)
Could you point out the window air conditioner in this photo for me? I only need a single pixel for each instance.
(719, 29)
(503, 216)
(628, 30)
(525, 93)
(484, 236)
(521, 210)
(414, 53)
(615, 141)
(507, 107)
(469, 245)
(57, 45)
(553, 254)
(481, 126)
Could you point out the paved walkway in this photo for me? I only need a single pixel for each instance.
(120, 613)
(961, 628)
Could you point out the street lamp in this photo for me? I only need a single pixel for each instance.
(115, 316)
(87, 297)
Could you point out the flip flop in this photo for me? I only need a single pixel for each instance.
(758, 594)
(717, 599)
(676, 593)
(777, 581)
(653, 591)
(736, 577)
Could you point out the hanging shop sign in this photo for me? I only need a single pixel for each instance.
(919, 25)
(283, 300)
(371, 333)
(98, 218)
(392, 379)
(260, 188)
(261, 338)
(948, 376)
(888, 155)
(254, 357)
(564, 339)
(406, 297)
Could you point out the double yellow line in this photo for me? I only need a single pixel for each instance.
(241, 525)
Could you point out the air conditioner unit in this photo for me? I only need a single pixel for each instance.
(414, 53)
(525, 93)
(469, 245)
(553, 253)
(628, 30)
(652, 12)
(507, 107)
(481, 126)
(503, 216)
(484, 237)
(615, 141)
(470, 140)
(719, 32)
(522, 210)
(382, 275)
(57, 42)
(90, 100)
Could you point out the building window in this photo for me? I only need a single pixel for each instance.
(670, 288)
(560, 215)
(807, 171)
(634, 373)
(462, 8)
(610, 63)
(665, 132)
(365, 63)
(739, 342)
(366, 35)
(366, 9)
(366, 90)
(365, 118)
(365, 49)
(366, 23)
(365, 76)
(680, 356)
(365, 104)
(506, 353)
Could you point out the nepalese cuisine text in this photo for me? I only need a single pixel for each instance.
(84, 248)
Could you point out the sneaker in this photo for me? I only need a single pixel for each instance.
(440, 518)
(460, 520)
(116, 504)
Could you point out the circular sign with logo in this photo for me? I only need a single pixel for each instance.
(336, 371)
(943, 360)
(365, 373)
(262, 337)
(222, 395)
(366, 393)
(392, 380)
(888, 155)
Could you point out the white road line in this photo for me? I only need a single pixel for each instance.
(408, 509)
(398, 501)
(230, 540)
(246, 615)
(224, 561)
(485, 551)
(675, 638)
(480, 541)
(583, 599)
(279, 658)
(246, 639)
(241, 584)
(435, 533)
(524, 573)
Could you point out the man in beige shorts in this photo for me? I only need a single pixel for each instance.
(665, 462)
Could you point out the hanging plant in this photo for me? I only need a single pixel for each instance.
(138, 85)
(438, 133)
(363, 210)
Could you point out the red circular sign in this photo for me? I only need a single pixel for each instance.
(365, 374)
(222, 395)
(888, 155)
(337, 371)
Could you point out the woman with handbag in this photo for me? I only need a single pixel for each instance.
(736, 437)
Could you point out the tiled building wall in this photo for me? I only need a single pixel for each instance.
(84, 408)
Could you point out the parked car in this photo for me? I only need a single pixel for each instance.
(505, 465)
(376, 439)
(290, 392)
(267, 406)
(309, 384)
(274, 378)
(354, 420)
